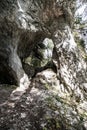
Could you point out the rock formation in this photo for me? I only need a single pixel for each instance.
(51, 95)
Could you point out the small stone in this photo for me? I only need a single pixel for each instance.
(23, 115)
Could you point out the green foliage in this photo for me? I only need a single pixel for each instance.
(81, 43)
(85, 58)
(52, 124)
(47, 86)
(78, 20)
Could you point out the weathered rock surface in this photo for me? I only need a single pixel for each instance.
(54, 98)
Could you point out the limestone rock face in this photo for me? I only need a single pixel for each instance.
(16, 40)
(51, 96)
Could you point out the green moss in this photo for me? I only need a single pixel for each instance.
(52, 124)
(44, 128)
(36, 62)
(58, 99)
(81, 43)
(49, 99)
(85, 58)
(47, 86)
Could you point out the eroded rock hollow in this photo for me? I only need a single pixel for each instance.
(23, 24)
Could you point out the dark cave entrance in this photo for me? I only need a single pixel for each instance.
(7, 76)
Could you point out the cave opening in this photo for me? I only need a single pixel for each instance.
(7, 76)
